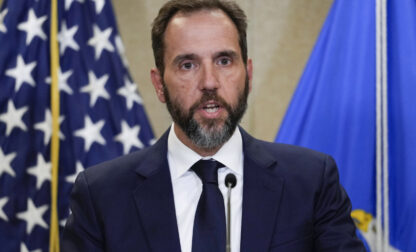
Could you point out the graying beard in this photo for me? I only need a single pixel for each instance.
(209, 138)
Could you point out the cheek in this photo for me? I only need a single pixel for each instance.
(183, 96)
(234, 86)
(180, 83)
(174, 86)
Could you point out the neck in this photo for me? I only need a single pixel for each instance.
(204, 152)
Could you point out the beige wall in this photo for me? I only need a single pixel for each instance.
(281, 35)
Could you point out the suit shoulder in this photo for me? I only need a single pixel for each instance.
(288, 151)
(300, 166)
(118, 169)
(289, 156)
(294, 160)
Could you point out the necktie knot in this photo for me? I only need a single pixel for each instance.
(207, 171)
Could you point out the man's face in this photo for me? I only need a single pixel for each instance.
(205, 82)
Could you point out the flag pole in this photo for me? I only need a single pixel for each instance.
(386, 226)
(379, 228)
(54, 52)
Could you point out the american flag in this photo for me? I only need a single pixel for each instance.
(101, 112)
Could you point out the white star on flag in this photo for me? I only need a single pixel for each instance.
(91, 133)
(3, 202)
(42, 171)
(100, 41)
(13, 118)
(153, 141)
(23, 248)
(3, 14)
(46, 127)
(63, 81)
(96, 87)
(66, 38)
(129, 137)
(33, 27)
(62, 223)
(99, 5)
(68, 3)
(5, 163)
(129, 91)
(22, 73)
(71, 178)
(121, 50)
(33, 216)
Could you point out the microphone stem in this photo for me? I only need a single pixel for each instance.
(228, 247)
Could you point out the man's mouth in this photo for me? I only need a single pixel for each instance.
(211, 108)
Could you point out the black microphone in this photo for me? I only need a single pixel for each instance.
(230, 182)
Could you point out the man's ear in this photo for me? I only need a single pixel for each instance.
(157, 80)
(250, 73)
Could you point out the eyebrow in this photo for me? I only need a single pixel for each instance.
(228, 53)
(193, 56)
(181, 57)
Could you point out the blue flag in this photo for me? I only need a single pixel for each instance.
(334, 110)
(401, 43)
(101, 112)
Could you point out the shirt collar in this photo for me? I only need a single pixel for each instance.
(230, 154)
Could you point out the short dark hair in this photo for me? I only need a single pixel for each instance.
(230, 8)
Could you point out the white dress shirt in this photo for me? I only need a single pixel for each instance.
(187, 186)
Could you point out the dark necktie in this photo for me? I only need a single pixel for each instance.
(209, 225)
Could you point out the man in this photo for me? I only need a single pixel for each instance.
(286, 198)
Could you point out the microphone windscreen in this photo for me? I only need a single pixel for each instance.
(230, 179)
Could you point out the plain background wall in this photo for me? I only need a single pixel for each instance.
(281, 35)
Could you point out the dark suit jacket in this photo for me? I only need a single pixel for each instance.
(292, 201)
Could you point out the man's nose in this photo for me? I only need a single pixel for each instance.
(209, 78)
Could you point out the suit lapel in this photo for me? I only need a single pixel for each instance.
(154, 199)
(262, 191)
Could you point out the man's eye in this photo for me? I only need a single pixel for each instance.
(187, 65)
(224, 61)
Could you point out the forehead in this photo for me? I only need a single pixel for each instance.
(199, 16)
(205, 29)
